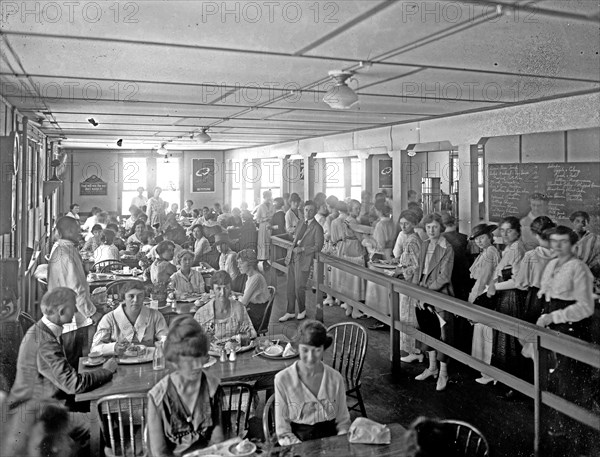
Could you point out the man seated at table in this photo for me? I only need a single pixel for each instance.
(187, 282)
(43, 370)
(130, 323)
(224, 317)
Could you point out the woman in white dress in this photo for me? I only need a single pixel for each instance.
(264, 213)
(408, 253)
(156, 209)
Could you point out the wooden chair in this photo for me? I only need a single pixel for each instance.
(263, 328)
(236, 401)
(106, 266)
(347, 356)
(469, 441)
(268, 420)
(123, 421)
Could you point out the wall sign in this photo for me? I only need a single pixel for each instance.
(385, 174)
(93, 186)
(203, 175)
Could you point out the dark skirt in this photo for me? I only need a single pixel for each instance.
(313, 432)
(256, 311)
(430, 325)
(534, 306)
(506, 352)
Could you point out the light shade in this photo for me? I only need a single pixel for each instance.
(340, 96)
(162, 150)
(203, 137)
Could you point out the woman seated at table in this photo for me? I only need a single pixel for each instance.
(138, 229)
(107, 250)
(162, 269)
(256, 293)
(92, 243)
(227, 257)
(174, 425)
(223, 317)
(134, 212)
(130, 323)
(185, 281)
(310, 397)
(201, 244)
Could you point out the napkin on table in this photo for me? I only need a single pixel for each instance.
(366, 431)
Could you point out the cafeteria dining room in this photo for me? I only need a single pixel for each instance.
(313, 228)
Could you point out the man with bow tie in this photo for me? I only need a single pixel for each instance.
(307, 243)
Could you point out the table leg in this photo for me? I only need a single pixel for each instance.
(95, 448)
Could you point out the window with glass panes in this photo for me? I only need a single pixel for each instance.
(237, 195)
(134, 176)
(168, 180)
(271, 173)
(356, 178)
(334, 178)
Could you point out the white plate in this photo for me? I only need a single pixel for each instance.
(210, 362)
(147, 357)
(233, 451)
(89, 363)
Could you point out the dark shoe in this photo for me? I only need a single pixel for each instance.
(377, 326)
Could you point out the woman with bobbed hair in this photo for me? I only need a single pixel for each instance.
(184, 407)
(256, 293)
(310, 397)
(434, 272)
(223, 317)
(509, 299)
(130, 323)
(201, 243)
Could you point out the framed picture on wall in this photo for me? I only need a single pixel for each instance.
(203, 175)
(385, 174)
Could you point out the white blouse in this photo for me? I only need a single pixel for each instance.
(571, 281)
(294, 402)
(194, 284)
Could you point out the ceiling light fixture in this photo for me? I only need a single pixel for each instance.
(340, 96)
(162, 150)
(203, 137)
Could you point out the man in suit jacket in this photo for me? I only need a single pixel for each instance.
(307, 243)
(43, 370)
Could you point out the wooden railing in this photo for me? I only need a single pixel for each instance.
(543, 339)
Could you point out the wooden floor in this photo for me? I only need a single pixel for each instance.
(508, 425)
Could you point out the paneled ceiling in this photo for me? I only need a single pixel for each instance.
(254, 73)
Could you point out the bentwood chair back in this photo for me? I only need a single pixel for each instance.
(236, 401)
(123, 421)
(469, 441)
(107, 266)
(347, 355)
(264, 325)
(268, 420)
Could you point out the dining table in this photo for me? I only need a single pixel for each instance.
(334, 446)
(140, 378)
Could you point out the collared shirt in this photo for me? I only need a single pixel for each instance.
(194, 284)
(149, 327)
(54, 328)
(65, 269)
(139, 201)
(293, 220)
(73, 215)
(294, 402)
(255, 290)
(228, 263)
(571, 281)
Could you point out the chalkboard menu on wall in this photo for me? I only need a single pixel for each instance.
(569, 186)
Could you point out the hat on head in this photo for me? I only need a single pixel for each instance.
(482, 229)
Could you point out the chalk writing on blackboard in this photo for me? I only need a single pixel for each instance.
(569, 187)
